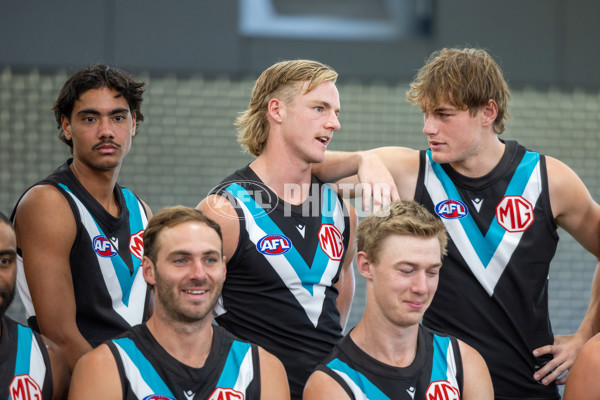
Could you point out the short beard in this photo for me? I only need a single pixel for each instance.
(7, 297)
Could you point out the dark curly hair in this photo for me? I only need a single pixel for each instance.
(96, 77)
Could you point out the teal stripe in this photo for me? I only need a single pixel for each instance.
(124, 276)
(147, 371)
(371, 391)
(439, 369)
(308, 275)
(231, 370)
(486, 246)
(25, 341)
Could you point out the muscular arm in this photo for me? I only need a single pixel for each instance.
(60, 370)
(46, 230)
(477, 382)
(577, 213)
(345, 285)
(96, 377)
(273, 379)
(220, 210)
(321, 386)
(386, 173)
(582, 383)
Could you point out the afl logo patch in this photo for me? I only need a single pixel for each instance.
(226, 394)
(103, 247)
(23, 387)
(272, 245)
(451, 209)
(157, 397)
(442, 390)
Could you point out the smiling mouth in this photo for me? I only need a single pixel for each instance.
(194, 291)
(323, 139)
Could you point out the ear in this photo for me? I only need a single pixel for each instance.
(134, 124)
(276, 109)
(363, 265)
(148, 271)
(489, 112)
(66, 127)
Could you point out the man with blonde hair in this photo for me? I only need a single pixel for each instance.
(389, 355)
(501, 204)
(178, 353)
(288, 238)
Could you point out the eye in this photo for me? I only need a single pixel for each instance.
(211, 260)
(89, 119)
(6, 261)
(119, 118)
(319, 108)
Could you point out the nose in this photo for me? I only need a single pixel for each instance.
(429, 125)
(333, 123)
(105, 129)
(419, 283)
(197, 270)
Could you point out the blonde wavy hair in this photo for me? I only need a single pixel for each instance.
(282, 80)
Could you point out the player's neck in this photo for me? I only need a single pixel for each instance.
(387, 343)
(100, 184)
(188, 343)
(289, 179)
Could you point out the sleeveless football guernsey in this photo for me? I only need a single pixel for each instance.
(493, 285)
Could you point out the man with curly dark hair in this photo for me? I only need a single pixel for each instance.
(79, 233)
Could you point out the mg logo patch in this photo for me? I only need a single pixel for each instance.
(226, 394)
(331, 241)
(514, 213)
(442, 390)
(136, 244)
(23, 387)
(451, 209)
(103, 247)
(272, 245)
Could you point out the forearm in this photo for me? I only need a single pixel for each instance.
(337, 165)
(72, 344)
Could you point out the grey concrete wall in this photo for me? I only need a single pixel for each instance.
(540, 42)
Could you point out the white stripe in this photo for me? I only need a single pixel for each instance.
(487, 277)
(133, 313)
(246, 373)
(137, 383)
(37, 366)
(452, 370)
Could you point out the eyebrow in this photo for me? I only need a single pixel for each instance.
(96, 112)
(8, 253)
(187, 253)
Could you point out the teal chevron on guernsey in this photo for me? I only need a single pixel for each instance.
(306, 283)
(237, 372)
(361, 386)
(487, 255)
(143, 378)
